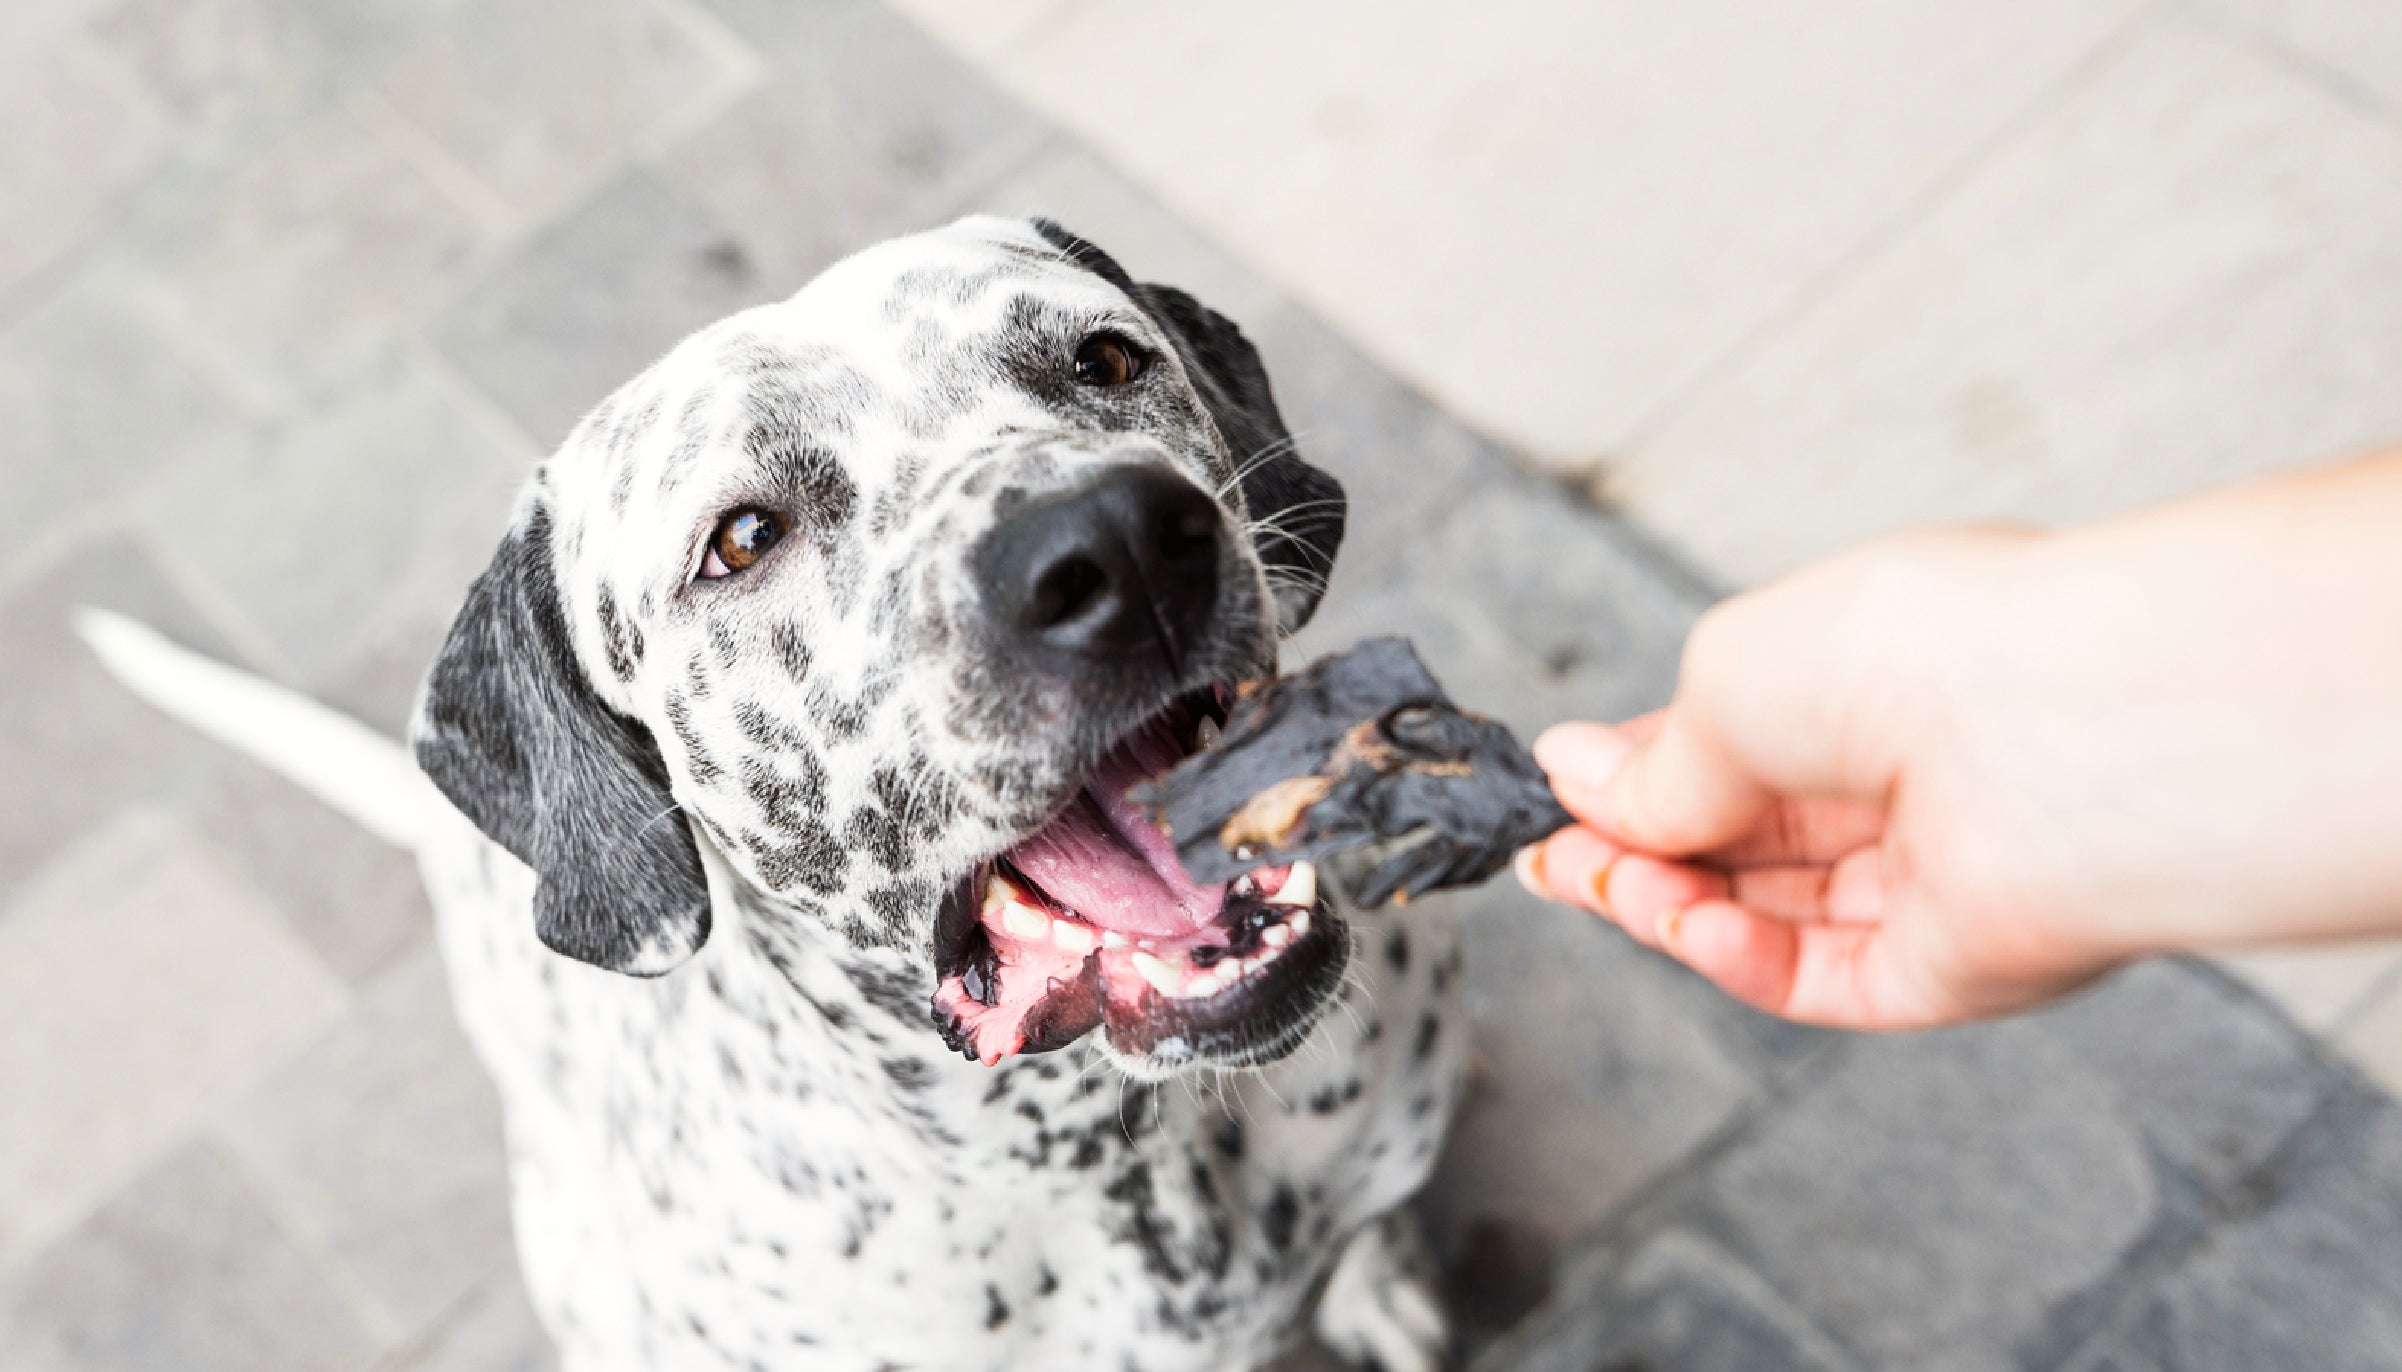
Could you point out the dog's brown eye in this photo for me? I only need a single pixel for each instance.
(1105, 359)
(742, 538)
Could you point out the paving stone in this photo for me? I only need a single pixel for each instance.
(497, 1331)
(1598, 1069)
(1068, 184)
(1527, 212)
(1679, 1302)
(95, 404)
(382, 1145)
(143, 980)
(2309, 1281)
(2214, 1076)
(77, 130)
(537, 99)
(188, 1271)
(307, 260)
(555, 325)
(2215, 244)
(358, 903)
(779, 26)
(1986, 1182)
(2360, 39)
(1578, 598)
(985, 30)
(870, 131)
(2374, 1041)
(234, 72)
(75, 745)
(2324, 988)
(375, 511)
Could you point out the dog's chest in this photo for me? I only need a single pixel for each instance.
(769, 1158)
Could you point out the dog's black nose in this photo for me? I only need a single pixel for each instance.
(1121, 568)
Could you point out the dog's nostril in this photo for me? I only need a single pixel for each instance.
(1189, 534)
(1065, 591)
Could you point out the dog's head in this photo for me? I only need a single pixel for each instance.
(886, 594)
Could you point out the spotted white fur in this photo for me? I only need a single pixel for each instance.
(740, 1143)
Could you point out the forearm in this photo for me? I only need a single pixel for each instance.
(2222, 678)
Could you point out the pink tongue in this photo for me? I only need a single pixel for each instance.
(1103, 860)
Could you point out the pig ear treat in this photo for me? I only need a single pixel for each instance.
(1358, 756)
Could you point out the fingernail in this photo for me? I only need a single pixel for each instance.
(1599, 885)
(1671, 929)
(1529, 866)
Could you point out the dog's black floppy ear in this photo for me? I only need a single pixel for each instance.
(1298, 509)
(513, 734)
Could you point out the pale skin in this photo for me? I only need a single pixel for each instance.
(1959, 772)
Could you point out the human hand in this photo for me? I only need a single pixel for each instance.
(1954, 774)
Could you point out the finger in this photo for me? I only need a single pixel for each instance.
(1640, 891)
(1850, 890)
(1571, 867)
(1678, 794)
(1792, 831)
(1840, 976)
(1579, 758)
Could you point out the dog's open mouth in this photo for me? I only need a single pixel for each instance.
(1092, 922)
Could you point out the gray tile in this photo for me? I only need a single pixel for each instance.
(1584, 604)
(1541, 220)
(569, 315)
(371, 513)
(537, 99)
(496, 1331)
(382, 1143)
(2213, 1074)
(77, 130)
(1679, 1302)
(2307, 1282)
(779, 27)
(186, 1271)
(870, 131)
(2187, 272)
(74, 745)
(233, 71)
(303, 262)
(95, 402)
(145, 980)
(1939, 1200)
(2361, 40)
(359, 904)
(1600, 1065)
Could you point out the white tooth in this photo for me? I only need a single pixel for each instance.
(1076, 938)
(1300, 887)
(1276, 935)
(1300, 924)
(1165, 977)
(1246, 884)
(998, 889)
(1205, 733)
(1203, 984)
(1024, 921)
(1111, 938)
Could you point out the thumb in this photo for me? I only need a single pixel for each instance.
(1675, 794)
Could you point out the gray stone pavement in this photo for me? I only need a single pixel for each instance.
(305, 290)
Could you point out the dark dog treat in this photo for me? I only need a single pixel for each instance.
(1359, 755)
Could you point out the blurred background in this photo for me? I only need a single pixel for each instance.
(1599, 309)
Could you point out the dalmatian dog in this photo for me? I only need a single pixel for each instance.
(845, 1012)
